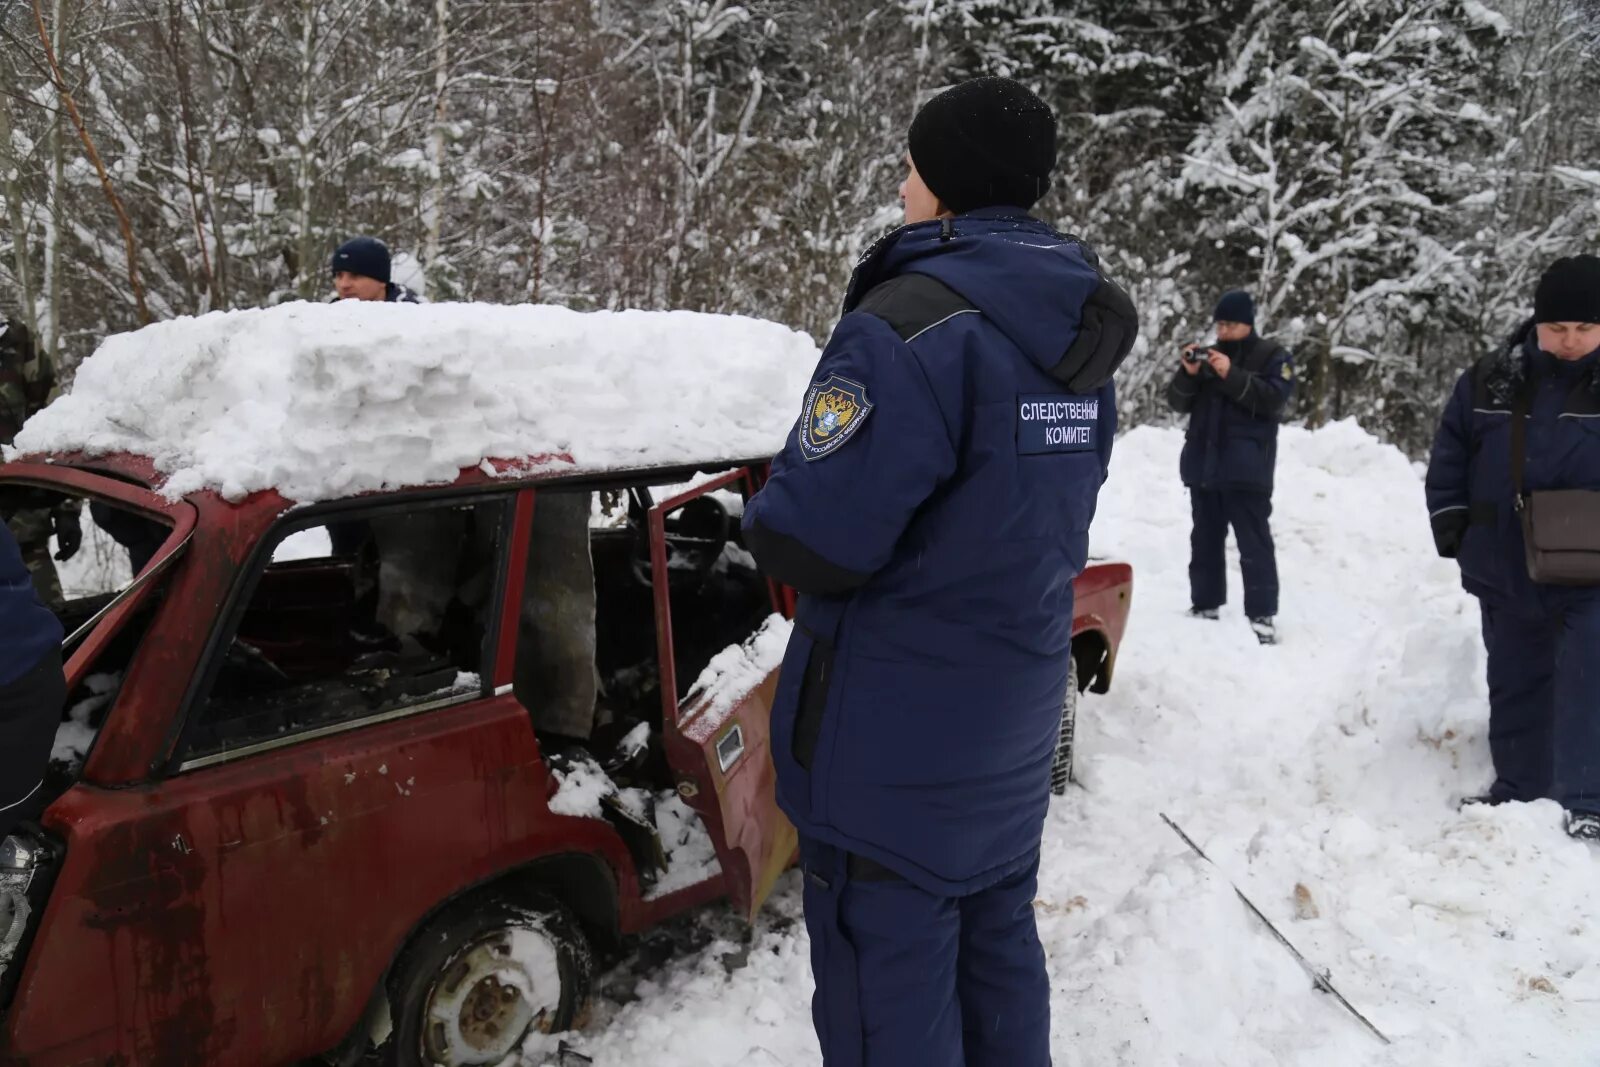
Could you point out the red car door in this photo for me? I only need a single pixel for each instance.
(718, 735)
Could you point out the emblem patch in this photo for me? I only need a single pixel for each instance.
(1288, 372)
(834, 411)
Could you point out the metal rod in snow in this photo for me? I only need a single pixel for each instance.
(1320, 976)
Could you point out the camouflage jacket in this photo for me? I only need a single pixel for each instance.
(27, 381)
(27, 384)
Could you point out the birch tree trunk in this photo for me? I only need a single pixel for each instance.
(50, 342)
(305, 137)
(26, 310)
(433, 207)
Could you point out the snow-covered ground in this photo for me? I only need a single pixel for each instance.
(1320, 775)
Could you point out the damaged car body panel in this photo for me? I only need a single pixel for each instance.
(317, 750)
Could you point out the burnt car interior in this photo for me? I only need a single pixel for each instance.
(353, 618)
(367, 612)
(117, 543)
(717, 599)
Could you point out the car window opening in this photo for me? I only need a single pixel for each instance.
(117, 543)
(355, 618)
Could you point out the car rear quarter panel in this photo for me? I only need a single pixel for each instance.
(1103, 598)
(245, 913)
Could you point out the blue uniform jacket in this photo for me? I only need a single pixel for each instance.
(1232, 440)
(28, 629)
(1470, 497)
(932, 507)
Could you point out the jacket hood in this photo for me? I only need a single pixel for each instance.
(1029, 280)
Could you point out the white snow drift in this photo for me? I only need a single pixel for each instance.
(1321, 775)
(327, 400)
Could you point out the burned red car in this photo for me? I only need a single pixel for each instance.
(306, 804)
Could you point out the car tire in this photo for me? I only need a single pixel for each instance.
(1061, 769)
(481, 978)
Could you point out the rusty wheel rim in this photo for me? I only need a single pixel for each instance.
(490, 997)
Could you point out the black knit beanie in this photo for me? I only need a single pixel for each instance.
(366, 256)
(989, 142)
(1569, 291)
(1235, 306)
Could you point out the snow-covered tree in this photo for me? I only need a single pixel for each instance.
(1389, 176)
(1328, 185)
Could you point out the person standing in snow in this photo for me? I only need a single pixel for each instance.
(1543, 639)
(360, 269)
(1234, 394)
(932, 509)
(28, 383)
(33, 689)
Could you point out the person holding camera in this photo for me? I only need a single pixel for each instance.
(1234, 392)
(1513, 493)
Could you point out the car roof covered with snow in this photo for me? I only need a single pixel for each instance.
(324, 401)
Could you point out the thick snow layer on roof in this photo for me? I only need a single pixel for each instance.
(327, 400)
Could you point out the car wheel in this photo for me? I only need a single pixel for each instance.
(483, 977)
(1061, 770)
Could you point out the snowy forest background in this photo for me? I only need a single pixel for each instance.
(1388, 176)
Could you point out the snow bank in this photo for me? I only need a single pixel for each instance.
(580, 787)
(1321, 776)
(327, 400)
(691, 854)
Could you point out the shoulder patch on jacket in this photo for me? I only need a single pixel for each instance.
(914, 303)
(835, 409)
(1057, 423)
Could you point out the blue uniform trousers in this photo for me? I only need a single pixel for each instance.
(907, 978)
(1544, 698)
(1249, 513)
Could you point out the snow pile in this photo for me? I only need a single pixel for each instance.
(582, 788)
(581, 785)
(691, 854)
(327, 400)
(1321, 776)
(731, 674)
(75, 736)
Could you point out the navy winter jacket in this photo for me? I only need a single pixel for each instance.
(1470, 496)
(932, 507)
(1232, 440)
(28, 629)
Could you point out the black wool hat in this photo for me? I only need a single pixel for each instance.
(989, 142)
(1569, 291)
(366, 256)
(1235, 306)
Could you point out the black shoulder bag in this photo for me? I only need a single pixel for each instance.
(1560, 527)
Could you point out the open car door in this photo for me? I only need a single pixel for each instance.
(716, 726)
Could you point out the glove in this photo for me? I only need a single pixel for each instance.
(1449, 530)
(69, 534)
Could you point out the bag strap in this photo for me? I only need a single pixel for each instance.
(1519, 440)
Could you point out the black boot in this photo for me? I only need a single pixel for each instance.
(1203, 613)
(1266, 630)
